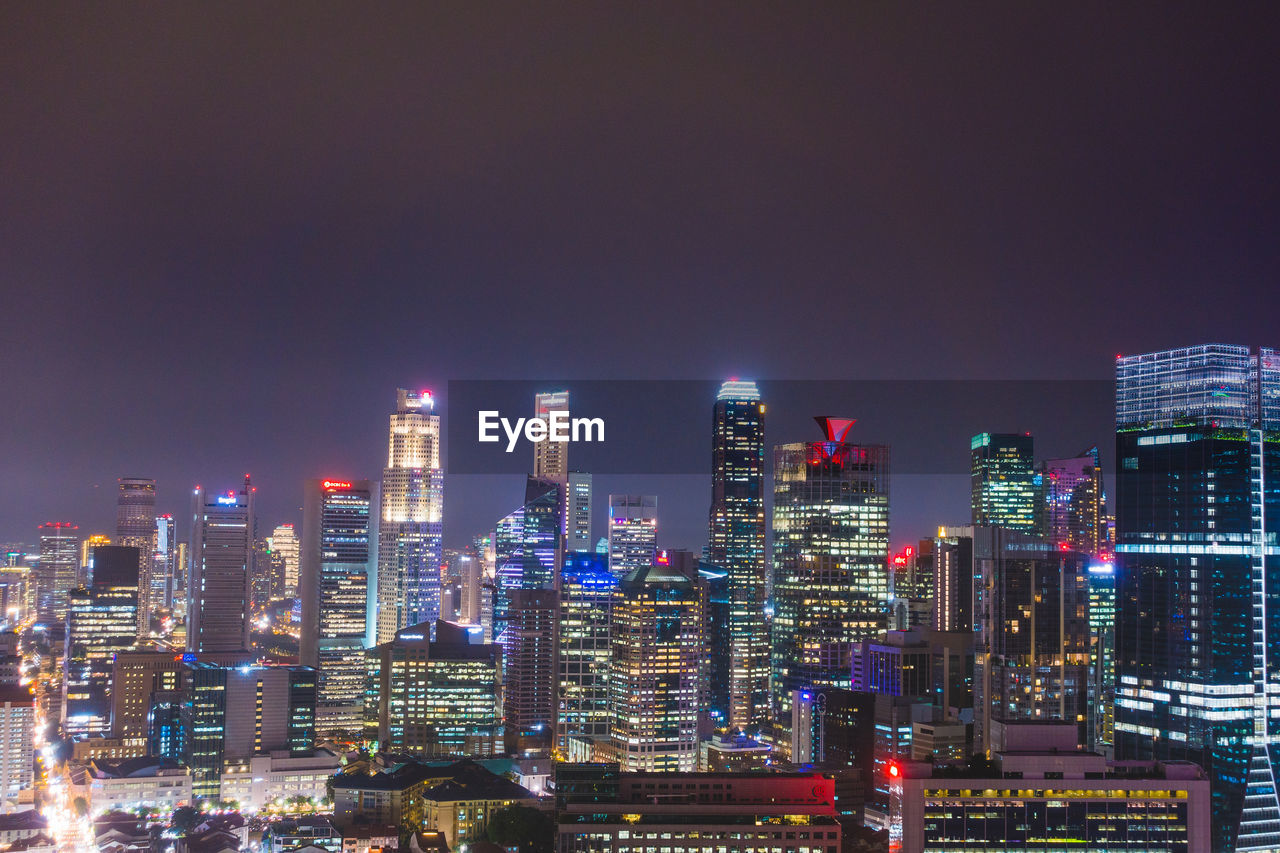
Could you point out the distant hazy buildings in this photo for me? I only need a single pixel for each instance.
(1002, 475)
(1198, 603)
(410, 550)
(633, 532)
(1073, 503)
(334, 579)
(736, 546)
(136, 528)
(57, 571)
(286, 555)
(830, 547)
(221, 565)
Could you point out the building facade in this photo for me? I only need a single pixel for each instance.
(1197, 586)
(587, 590)
(1003, 489)
(57, 573)
(136, 528)
(102, 621)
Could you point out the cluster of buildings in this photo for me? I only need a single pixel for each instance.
(1048, 671)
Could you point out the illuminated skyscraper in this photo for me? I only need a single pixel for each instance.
(136, 528)
(587, 590)
(633, 532)
(551, 458)
(164, 564)
(440, 697)
(1073, 502)
(529, 672)
(285, 555)
(1102, 654)
(577, 512)
(221, 562)
(102, 620)
(736, 545)
(830, 546)
(410, 550)
(655, 680)
(57, 571)
(334, 579)
(1003, 488)
(1197, 582)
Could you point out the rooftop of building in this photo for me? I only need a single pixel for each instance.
(18, 821)
(132, 768)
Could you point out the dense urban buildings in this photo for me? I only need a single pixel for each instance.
(735, 544)
(410, 549)
(830, 549)
(336, 562)
(1197, 603)
(219, 590)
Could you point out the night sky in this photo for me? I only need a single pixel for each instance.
(229, 232)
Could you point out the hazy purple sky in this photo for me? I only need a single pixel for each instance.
(228, 232)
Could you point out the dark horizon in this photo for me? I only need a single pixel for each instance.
(231, 232)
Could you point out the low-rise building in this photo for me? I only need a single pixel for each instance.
(1036, 792)
(368, 837)
(99, 747)
(726, 753)
(17, 723)
(19, 825)
(146, 782)
(455, 798)
(262, 779)
(293, 833)
(604, 811)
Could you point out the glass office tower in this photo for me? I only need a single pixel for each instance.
(334, 579)
(1198, 574)
(1003, 481)
(736, 545)
(830, 549)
